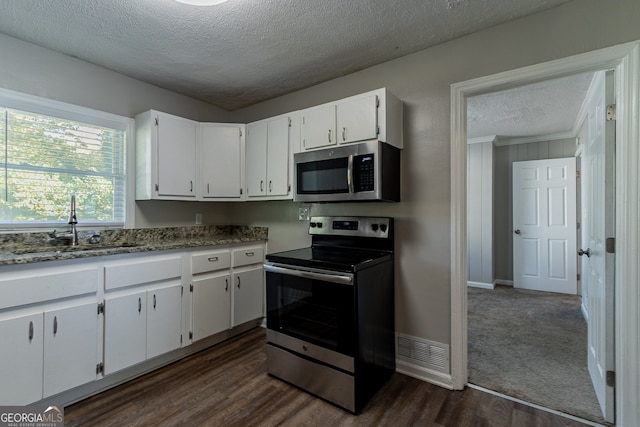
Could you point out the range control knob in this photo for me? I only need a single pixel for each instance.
(374, 227)
(312, 224)
(319, 225)
(383, 227)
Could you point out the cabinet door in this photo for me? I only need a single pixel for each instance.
(318, 127)
(21, 355)
(256, 159)
(278, 157)
(357, 120)
(125, 331)
(164, 320)
(70, 347)
(176, 156)
(248, 295)
(220, 161)
(211, 306)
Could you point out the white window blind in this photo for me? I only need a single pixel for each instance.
(45, 159)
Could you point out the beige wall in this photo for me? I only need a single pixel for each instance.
(421, 80)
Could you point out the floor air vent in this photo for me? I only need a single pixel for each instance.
(429, 354)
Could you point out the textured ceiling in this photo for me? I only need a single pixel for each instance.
(245, 51)
(540, 109)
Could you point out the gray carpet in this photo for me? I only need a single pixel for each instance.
(532, 346)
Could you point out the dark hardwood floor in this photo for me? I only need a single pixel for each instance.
(227, 385)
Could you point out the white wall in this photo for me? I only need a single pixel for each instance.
(480, 213)
(30, 69)
(422, 80)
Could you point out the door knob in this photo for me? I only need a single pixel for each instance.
(587, 252)
(517, 231)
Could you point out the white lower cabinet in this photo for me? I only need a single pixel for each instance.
(125, 331)
(248, 295)
(211, 305)
(70, 347)
(21, 354)
(164, 316)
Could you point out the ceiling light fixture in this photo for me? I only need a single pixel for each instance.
(201, 2)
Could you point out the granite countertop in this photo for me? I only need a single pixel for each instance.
(23, 248)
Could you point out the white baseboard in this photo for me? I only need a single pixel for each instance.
(480, 285)
(427, 375)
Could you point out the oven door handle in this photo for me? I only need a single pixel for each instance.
(344, 279)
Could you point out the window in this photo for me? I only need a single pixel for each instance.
(50, 151)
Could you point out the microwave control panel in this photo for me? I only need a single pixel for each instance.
(363, 174)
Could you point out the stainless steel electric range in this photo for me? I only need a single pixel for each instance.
(330, 310)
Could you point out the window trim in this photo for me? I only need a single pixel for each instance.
(39, 105)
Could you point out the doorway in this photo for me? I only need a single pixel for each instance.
(626, 60)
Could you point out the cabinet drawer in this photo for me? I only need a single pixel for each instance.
(210, 261)
(142, 271)
(247, 256)
(47, 284)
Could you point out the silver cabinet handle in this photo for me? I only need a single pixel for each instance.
(344, 134)
(55, 325)
(154, 301)
(30, 331)
(208, 191)
(191, 186)
(344, 279)
(329, 135)
(270, 186)
(261, 185)
(238, 281)
(226, 285)
(212, 259)
(249, 253)
(139, 304)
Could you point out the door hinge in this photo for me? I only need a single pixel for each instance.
(611, 112)
(101, 308)
(241, 191)
(180, 339)
(190, 335)
(100, 368)
(157, 187)
(289, 118)
(377, 101)
(240, 132)
(578, 277)
(611, 245)
(611, 378)
(157, 122)
(190, 287)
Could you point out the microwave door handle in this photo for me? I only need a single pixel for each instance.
(350, 173)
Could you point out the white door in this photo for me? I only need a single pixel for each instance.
(176, 156)
(544, 223)
(598, 178)
(211, 305)
(318, 127)
(357, 120)
(278, 157)
(256, 158)
(247, 295)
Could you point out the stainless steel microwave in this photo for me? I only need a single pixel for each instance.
(369, 171)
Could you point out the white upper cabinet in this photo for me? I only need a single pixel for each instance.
(220, 161)
(318, 127)
(165, 157)
(372, 115)
(269, 156)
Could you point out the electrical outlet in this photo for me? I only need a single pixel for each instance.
(303, 214)
(198, 218)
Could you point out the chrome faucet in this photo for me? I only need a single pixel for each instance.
(72, 234)
(73, 221)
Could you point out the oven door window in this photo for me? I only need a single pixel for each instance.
(323, 176)
(319, 312)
